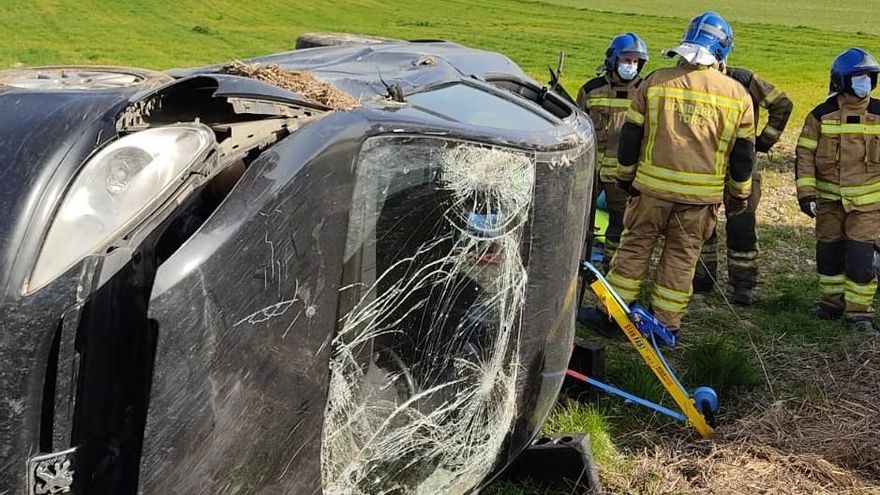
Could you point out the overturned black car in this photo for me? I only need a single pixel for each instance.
(214, 283)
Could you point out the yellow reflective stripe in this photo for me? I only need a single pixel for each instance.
(743, 187)
(726, 137)
(867, 289)
(862, 294)
(832, 129)
(659, 302)
(858, 299)
(600, 101)
(675, 181)
(745, 132)
(734, 105)
(635, 117)
(680, 176)
(742, 255)
(625, 170)
(828, 187)
(859, 190)
(627, 295)
(808, 143)
(771, 97)
(672, 294)
(771, 131)
(863, 195)
(609, 161)
(618, 280)
(806, 182)
(831, 284)
(676, 188)
(742, 263)
(654, 116)
(701, 96)
(863, 200)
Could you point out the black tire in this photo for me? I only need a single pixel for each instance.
(73, 77)
(314, 40)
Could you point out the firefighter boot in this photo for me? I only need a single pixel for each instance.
(826, 312)
(860, 322)
(599, 322)
(744, 296)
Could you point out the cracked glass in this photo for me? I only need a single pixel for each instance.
(424, 364)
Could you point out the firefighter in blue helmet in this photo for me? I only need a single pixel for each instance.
(688, 145)
(606, 99)
(837, 166)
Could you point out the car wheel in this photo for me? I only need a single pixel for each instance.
(81, 78)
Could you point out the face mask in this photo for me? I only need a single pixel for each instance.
(861, 86)
(627, 71)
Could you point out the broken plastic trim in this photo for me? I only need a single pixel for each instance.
(424, 367)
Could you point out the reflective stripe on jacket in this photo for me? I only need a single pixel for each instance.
(838, 153)
(606, 102)
(691, 117)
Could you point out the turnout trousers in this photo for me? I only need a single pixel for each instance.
(742, 249)
(615, 201)
(845, 257)
(685, 228)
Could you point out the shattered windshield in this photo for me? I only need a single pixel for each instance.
(469, 105)
(424, 364)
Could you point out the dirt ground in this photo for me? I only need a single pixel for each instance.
(827, 443)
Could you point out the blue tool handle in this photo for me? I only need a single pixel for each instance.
(649, 325)
(626, 395)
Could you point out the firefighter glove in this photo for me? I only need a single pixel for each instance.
(735, 206)
(763, 144)
(809, 206)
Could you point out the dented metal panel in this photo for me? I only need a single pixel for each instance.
(375, 300)
(244, 313)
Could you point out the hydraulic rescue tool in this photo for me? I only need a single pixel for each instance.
(643, 330)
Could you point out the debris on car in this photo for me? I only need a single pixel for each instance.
(299, 82)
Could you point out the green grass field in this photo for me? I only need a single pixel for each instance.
(845, 17)
(756, 357)
(152, 34)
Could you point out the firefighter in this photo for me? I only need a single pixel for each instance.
(606, 99)
(837, 166)
(742, 233)
(687, 146)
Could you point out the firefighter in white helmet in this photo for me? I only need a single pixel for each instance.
(688, 145)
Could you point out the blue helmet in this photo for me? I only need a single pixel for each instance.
(625, 44)
(852, 62)
(712, 32)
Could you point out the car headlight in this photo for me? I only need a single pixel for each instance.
(115, 190)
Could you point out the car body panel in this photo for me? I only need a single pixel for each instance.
(206, 369)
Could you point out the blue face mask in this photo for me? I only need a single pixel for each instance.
(627, 71)
(861, 86)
